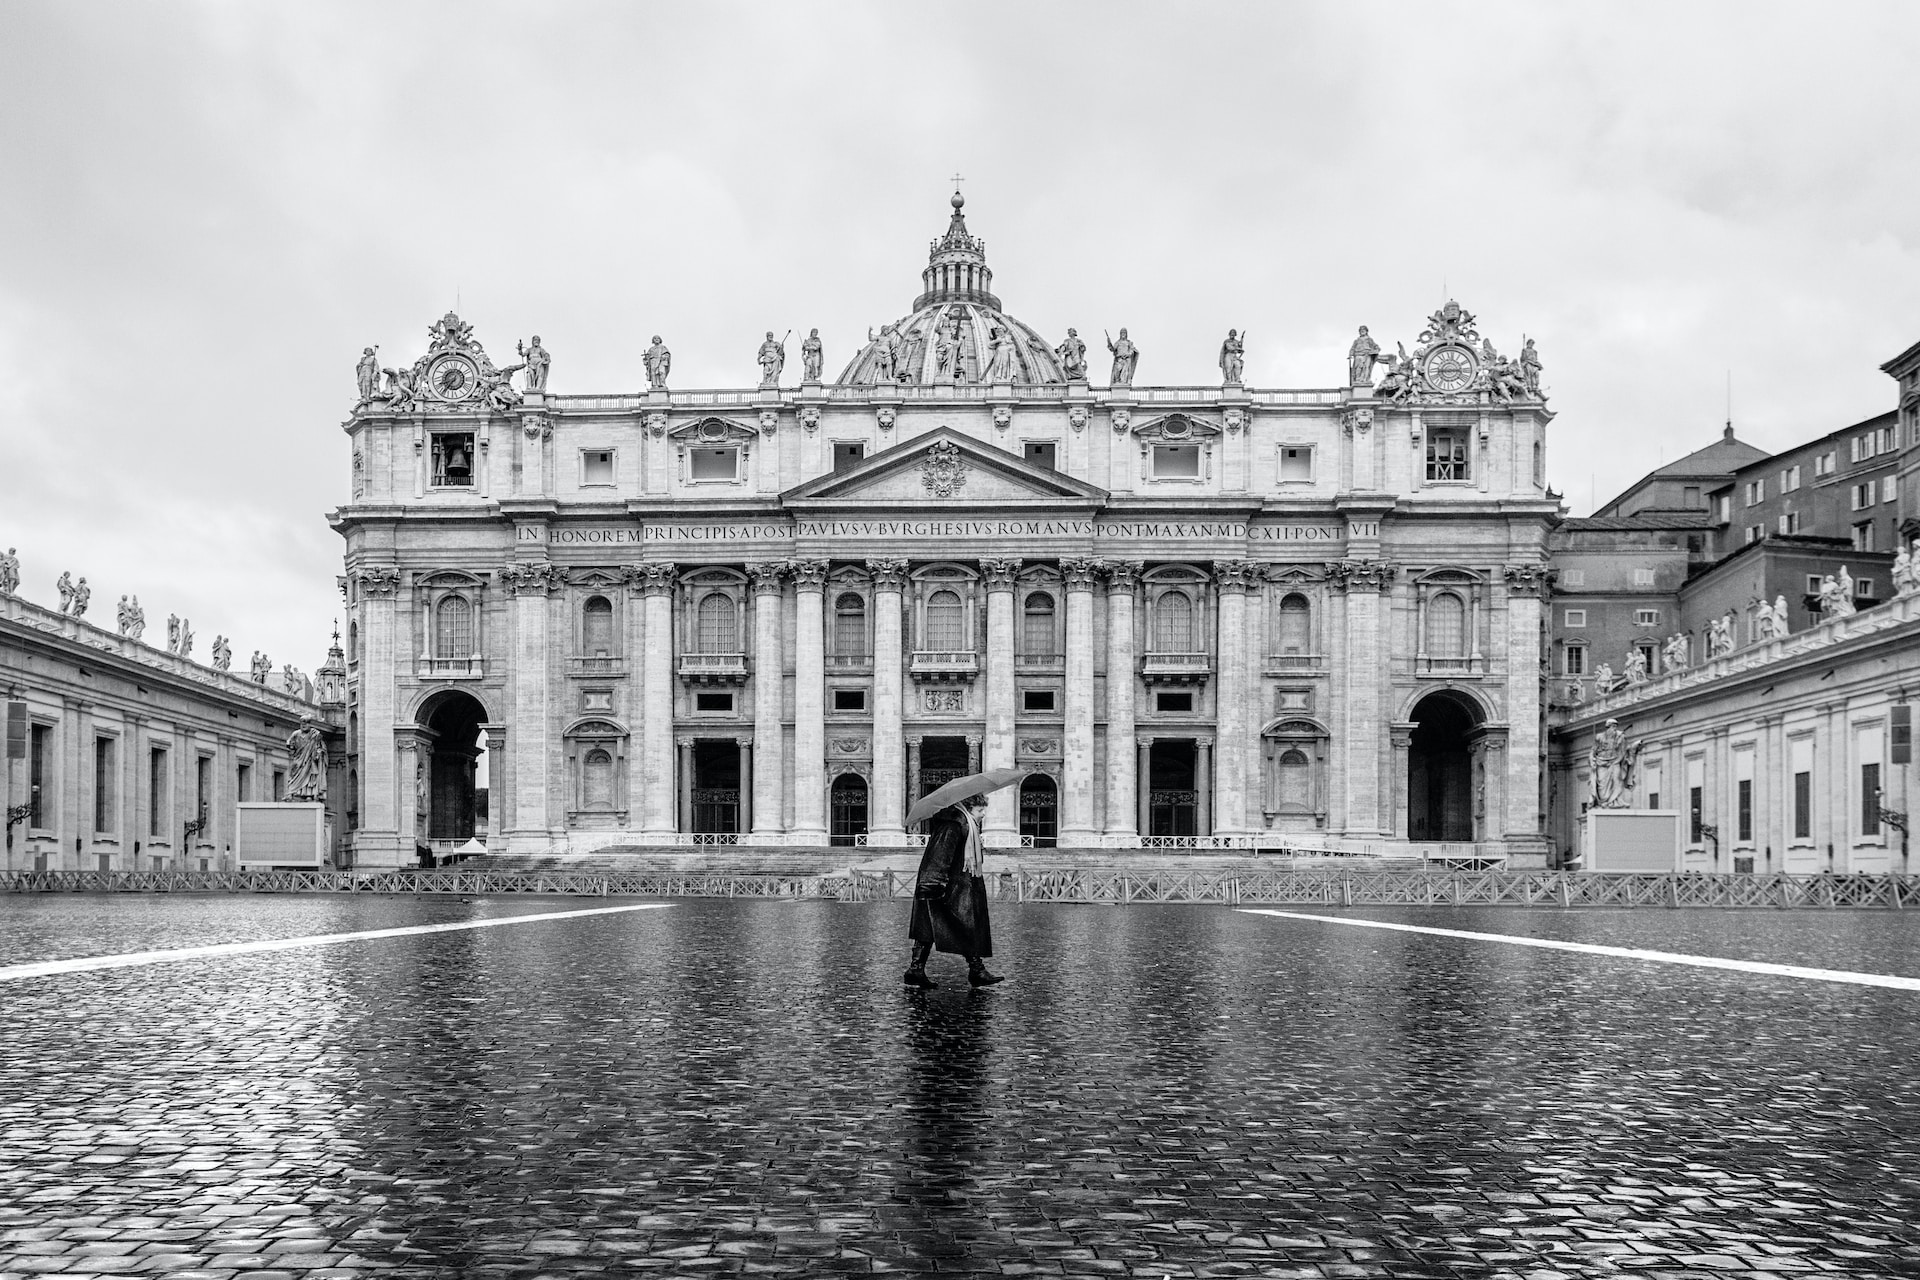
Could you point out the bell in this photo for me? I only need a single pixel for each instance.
(458, 462)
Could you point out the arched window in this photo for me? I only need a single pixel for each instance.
(850, 625)
(353, 642)
(598, 779)
(718, 624)
(453, 628)
(946, 622)
(1296, 780)
(1173, 623)
(1446, 626)
(596, 632)
(1036, 636)
(1296, 625)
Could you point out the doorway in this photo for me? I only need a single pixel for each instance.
(716, 787)
(1173, 798)
(1440, 769)
(847, 809)
(941, 761)
(1040, 811)
(454, 719)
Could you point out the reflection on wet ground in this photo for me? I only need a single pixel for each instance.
(730, 1086)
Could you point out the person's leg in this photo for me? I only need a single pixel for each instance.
(916, 975)
(978, 975)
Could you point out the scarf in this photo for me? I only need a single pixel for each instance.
(975, 860)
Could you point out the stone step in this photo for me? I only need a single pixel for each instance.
(781, 861)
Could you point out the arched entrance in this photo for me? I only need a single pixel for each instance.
(847, 809)
(1440, 768)
(452, 719)
(1040, 810)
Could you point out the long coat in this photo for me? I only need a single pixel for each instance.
(949, 901)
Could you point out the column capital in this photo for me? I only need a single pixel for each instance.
(1528, 579)
(653, 579)
(1360, 575)
(1122, 575)
(768, 576)
(973, 740)
(1081, 572)
(808, 575)
(377, 580)
(1233, 576)
(537, 578)
(999, 573)
(1204, 742)
(888, 574)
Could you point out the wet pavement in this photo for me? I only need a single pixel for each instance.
(744, 1086)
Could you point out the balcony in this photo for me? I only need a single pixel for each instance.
(451, 668)
(1176, 668)
(850, 663)
(713, 668)
(1428, 667)
(602, 667)
(1288, 664)
(1040, 663)
(944, 666)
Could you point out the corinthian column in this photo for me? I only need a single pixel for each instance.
(809, 705)
(1123, 780)
(768, 664)
(529, 585)
(383, 787)
(1362, 581)
(1231, 699)
(1076, 747)
(1003, 805)
(889, 741)
(656, 703)
(1527, 585)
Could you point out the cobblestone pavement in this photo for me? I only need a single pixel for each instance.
(731, 1086)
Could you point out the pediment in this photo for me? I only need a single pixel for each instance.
(946, 468)
(1178, 427)
(712, 430)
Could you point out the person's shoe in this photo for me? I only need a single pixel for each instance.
(978, 976)
(917, 977)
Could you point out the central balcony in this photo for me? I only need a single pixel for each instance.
(612, 668)
(713, 668)
(944, 666)
(1176, 668)
(451, 668)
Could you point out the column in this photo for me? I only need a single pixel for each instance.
(1123, 784)
(410, 752)
(747, 782)
(532, 702)
(889, 743)
(683, 782)
(1203, 785)
(913, 767)
(1231, 696)
(377, 842)
(973, 753)
(657, 817)
(496, 782)
(1076, 745)
(1003, 806)
(1144, 773)
(1402, 740)
(809, 707)
(769, 666)
(1524, 747)
(1363, 581)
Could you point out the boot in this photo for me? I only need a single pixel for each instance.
(977, 973)
(916, 975)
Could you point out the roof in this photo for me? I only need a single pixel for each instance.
(1886, 419)
(1724, 456)
(1643, 522)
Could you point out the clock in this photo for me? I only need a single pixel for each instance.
(1449, 370)
(453, 378)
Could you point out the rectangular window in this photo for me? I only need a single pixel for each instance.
(40, 776)
(1813, 584)
(1646, 617)
(203, 789)
(1649, 655)
(849, 699)
(712, 465)
(1573, 577)
(1744, 831)
(1756, 492)
(279, 786)
(1754, 532)
(596, 466)
(1176, 462)
(1296, 463)
(1863, 536)
(713, 702)
(1861, 495)
(1900, 734)
(453, 459)
(1790, 479)
(1862, 587)
(1694, 823)
(1802, 759)
(157, 805)
(1576, 617)
(1041, 454)
(1652, 776)
(1690, 496)
(848, 454)
(1789, 522)
(1576, 660)
(104, 791)
(1870, 799)
(1173, 702)
(1446, 455)
(1889, 488)
(1643, 577)
(1036, 699)
(243, 783)
(1723, 508)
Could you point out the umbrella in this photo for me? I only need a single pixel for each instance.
(974, 784)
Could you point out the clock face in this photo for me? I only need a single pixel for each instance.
(1449, 370)
(453, 378)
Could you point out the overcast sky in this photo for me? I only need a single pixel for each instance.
(209, 209)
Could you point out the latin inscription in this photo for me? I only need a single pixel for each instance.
(944, 530)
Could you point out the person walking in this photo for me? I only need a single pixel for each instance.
(950, 898)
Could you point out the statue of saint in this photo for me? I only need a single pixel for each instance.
(1719, 637)
(659, 362)
(537, 360)
(1072, 354)
(1677, 652)
(773, 358)
(949, 355)
(65, 588)
(811, 357)
(1603, 677)
(1233, 358)
(10, 571)
(173, 633)
(400, 390)
(307, 773)
(1903, 573)
(82, 594)
(260, 667)
(1780, 627)
(1361, 357)
(1530, 367)
(1636, 669)
(222, 653)
(1610, 763)
(1833, 601)
(1762, 619)
(883, 352)
(1845, 580)
(186, 638)
(367, 373)
(136, 619)
(1125, 357)
(292, 681)
(905, 350)
(1000, 353)
(120, 615)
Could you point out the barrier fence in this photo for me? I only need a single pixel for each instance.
(1240, 887)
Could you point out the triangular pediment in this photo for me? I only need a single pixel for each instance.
(946, 468)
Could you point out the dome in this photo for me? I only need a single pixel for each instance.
(956, 327)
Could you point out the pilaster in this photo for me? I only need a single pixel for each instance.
(889, 745)
(1527, 584)
(809, 694)
(378, 841)
(529, 585)
(768, 664)
(1123, 780)
(1076, 746)
(1231, 698)
(1361, 583)
(658, 817)
(1002, 826)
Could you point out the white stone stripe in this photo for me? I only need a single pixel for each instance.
(1625, 953)
(131, 959)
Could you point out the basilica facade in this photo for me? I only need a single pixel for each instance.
(772, 616)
